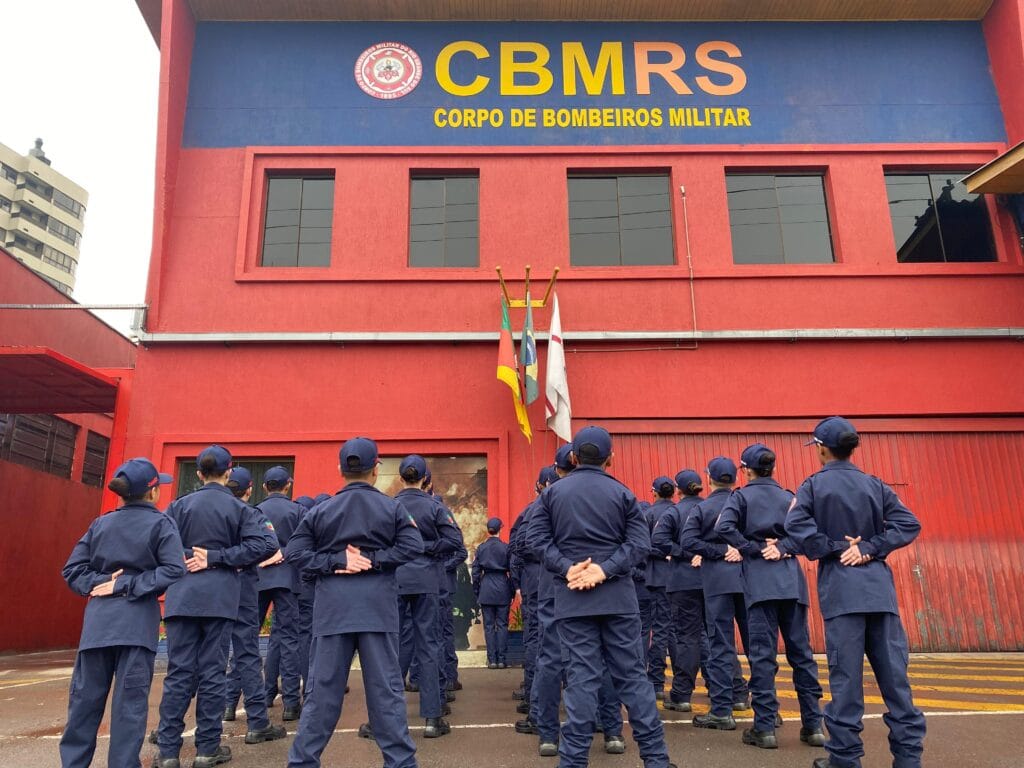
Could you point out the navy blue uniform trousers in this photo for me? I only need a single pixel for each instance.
(246, 673)
(591, 643)
(130, 669)
(881, 637)
(421, 612)
(330, 662)
(662, 638)
(546, 694)
(448, 668)
(284, 633)
(725, 682)
(273, 664)
(196, 661)
(496, 632)
(765, 621)
(688, 626)
(531, 629)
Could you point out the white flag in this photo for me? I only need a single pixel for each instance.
(557, 407)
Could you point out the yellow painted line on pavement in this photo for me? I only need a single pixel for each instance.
(975, 706)
(981, 678)
(957, 667)
(1017, 692)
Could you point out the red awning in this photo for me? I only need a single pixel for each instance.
(39, 380)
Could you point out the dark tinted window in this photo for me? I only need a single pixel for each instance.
(778, 219)
(188, 482)
(444, 221)
(619, 220)
(935, 218)
(95, 465)
(297, 229)
(39, 441)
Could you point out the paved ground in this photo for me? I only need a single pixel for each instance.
(975, 707)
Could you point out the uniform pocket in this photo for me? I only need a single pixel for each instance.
(139, 669)
(833, 659)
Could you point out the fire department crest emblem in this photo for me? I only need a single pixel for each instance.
(388, 70)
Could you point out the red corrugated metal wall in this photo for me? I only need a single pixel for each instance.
(961, 583)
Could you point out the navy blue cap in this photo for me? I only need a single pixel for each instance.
(562, 460)
(278, 475)
(428, 477)
(547, 476)
(358, 455)
(751, 456)
(320, 498)
(592, 443)
(720, 468)
(221, 457)
(493, 525)
(413, 468)
(830, 430)
(241, 478)
(141, 476)
(687, 477)
(305, 501)
(660, 481)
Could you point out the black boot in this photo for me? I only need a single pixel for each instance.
(222, 755)
(762, 739)
(366, 732)
(229, 713)
(436, 727)
(714, 722)
(813, 737)
(291, 713)
(526, 726)
(270, 733)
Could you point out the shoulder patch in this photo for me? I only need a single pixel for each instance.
(268, 525)
(412, 520)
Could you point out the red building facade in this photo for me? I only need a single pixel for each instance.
(695, 355)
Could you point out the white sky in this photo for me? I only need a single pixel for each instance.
(83, 75)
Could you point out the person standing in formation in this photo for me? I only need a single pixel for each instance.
(593, 534)
(246, 672)
(351, 545)
(753, 521)
(221, 536)
(123, 563)
(659, 567)
(493, 589)
(850, 522)
(724, 606)
(279, 585)
(685, 591)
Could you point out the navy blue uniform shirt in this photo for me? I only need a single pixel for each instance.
(441, 536)
(717, 576)
(228, 528)
(145, 543)
(589, 513)
(364, 517)
(491, 581)
(284, 515)
(667, 538)
(839, 501)
(659, 568)
(752, 515)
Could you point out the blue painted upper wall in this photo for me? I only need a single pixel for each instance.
(284, 84)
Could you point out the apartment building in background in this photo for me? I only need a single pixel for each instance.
(42, 213)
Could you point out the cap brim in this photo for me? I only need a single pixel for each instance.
(165, 478)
